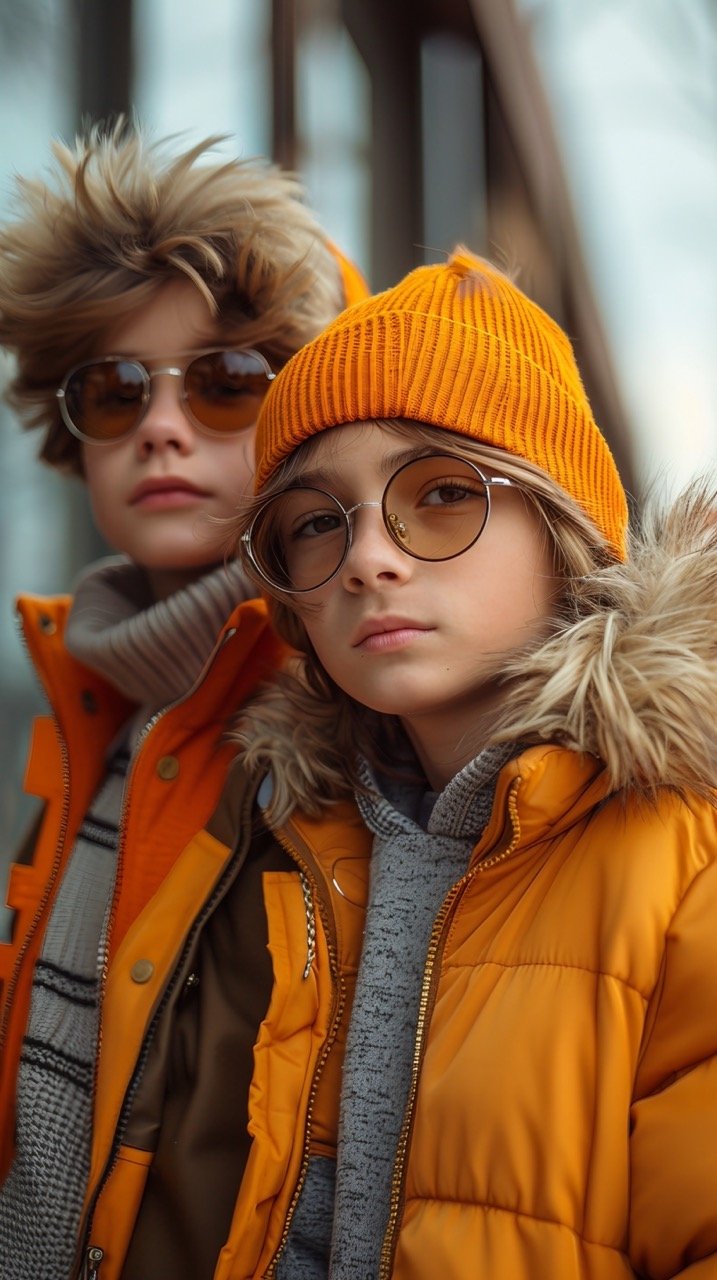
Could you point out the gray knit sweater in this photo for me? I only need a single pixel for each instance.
(422, 846)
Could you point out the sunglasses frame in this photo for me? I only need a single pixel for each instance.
(501, 482)
(172, 370)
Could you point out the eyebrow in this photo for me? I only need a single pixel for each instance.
(154, 358)
(320, 477)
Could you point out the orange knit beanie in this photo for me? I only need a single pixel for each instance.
(455, 346)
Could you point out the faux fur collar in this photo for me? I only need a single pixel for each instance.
(634, 679)
(631, 678)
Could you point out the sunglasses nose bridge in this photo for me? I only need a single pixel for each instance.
(163, 407)
(168, 370)
(172, 371)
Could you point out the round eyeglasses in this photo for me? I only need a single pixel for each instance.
(434, 508)
(103, 400)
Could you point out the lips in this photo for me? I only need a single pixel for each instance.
(380, 626)
(164, 484)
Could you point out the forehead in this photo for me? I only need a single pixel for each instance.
(346, 454)
(176, 318)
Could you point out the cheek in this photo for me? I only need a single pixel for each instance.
(233, 461)
(544, 582)
(315, 634)
(100, 474)
(325, 635)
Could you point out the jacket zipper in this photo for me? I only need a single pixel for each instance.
(141, 739)
(428, 991)
(85, 1228)
(297, 849)
(310, 923)
(85, 1249)
(110, 919)
(92, 1253)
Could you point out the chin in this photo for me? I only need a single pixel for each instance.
(188, 560)
(394, 703)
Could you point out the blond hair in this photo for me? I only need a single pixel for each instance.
(118, 217)
(304, 727)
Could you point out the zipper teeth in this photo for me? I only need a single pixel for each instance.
(216, 895)
(104, 956)
(310, 924)
(85, 1228)
(84, 1232)
(105, 944)
(293, 850)
(9, 994)
(427, 992)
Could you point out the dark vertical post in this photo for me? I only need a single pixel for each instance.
(104, 58)
(388, 38)
(104, 90)
(283, 74)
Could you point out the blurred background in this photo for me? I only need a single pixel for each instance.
(574, 141)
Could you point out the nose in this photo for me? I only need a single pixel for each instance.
(165, 425)
(373, 557)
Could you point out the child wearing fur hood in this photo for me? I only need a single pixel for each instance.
(518, 697)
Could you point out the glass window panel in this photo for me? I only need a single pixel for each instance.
(634, 96)
(205, 69)
(454, 197)
(334, 143)
(37, 553)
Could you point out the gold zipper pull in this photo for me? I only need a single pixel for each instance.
(310, 924)
(94, 1260)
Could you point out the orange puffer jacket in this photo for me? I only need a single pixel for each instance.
(169, 864)
(562, 1117)
(562, 1114)
(562, 1120)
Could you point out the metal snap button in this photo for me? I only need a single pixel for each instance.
(47, 625)
(167, 768)
(141, 971)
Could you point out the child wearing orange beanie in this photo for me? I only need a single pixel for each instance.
(517, 696)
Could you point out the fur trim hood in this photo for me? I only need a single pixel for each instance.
(630, 678)
(634, 679)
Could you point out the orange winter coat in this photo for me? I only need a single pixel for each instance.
(169, 864)
(562, 1113)
(66, 764)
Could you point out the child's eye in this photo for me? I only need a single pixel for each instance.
(448, 492)
(214, 390)
(315, 525)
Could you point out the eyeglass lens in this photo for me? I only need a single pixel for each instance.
(433, 509)
(222, 390)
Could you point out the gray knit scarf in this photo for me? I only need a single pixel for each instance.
(422, 845)
(152, 651)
